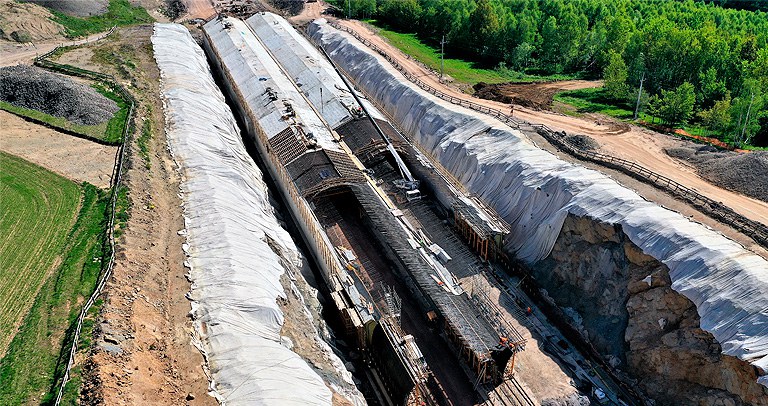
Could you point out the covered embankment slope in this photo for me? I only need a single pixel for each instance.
(536, 193)
(241, 260)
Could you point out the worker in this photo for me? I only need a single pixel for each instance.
(528, 311)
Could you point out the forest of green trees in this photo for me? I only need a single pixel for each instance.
(698, 61)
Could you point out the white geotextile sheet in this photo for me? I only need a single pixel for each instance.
(307, 66)
(256, 74)
(229, 224)
(535, 191)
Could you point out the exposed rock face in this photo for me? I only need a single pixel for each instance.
(631, 314)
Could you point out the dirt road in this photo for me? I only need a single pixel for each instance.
(635, 144)
(199, 9)
(69, 156)
(14, 54)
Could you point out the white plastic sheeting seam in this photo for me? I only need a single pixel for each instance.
(236, 249)
(535, 191)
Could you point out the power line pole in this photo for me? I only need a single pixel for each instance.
(349, 9)
(442, 55)
(639, 93)
(746, 120)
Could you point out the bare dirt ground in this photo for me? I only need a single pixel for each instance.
(74, 158)
(142, 351)
(536, 95)
(199, 9)
(154, 8)
(635, 144)
(46, 34)
(12, 53)
(312, 11)
(32, 18)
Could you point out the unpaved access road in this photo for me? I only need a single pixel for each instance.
(13, 54)
(636, 144)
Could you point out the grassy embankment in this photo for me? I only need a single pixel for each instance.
(119, 13)
(51, 258)
(110, 131)
(595, 101)
(460, 70)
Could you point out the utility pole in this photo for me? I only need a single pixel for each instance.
(640, 90)
(746, 120)
(349, 9)
(442, 55)
(639, 93)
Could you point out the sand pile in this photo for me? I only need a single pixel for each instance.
(57, 95)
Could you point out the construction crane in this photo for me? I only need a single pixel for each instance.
(406, 182)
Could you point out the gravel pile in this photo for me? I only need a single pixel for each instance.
(582, 142)
(746, 173)
(575, 399)
(77, 8)
(35, 88)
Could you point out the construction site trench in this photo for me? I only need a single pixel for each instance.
(444, 286)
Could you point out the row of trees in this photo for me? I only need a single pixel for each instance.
(681, 50)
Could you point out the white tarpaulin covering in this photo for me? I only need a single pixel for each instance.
(535, 191)
(236, 249)
(307, 67)
(258, 76)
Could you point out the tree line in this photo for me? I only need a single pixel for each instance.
(697, 60)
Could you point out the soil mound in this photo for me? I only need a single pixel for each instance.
(29, 19)
(742, 172)
(35, 88)
(77, 8)
(582, 142)
(522, 94)
(535, 95)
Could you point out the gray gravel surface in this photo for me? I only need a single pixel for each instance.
(574, 399)
(582, 142)
(77, 8)
(57, 95)
(746, 173)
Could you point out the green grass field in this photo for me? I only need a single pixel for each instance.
(38, 209)
(120, 13)
(36, 228)
(110, 131)
(594, 101)
(460, 70)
